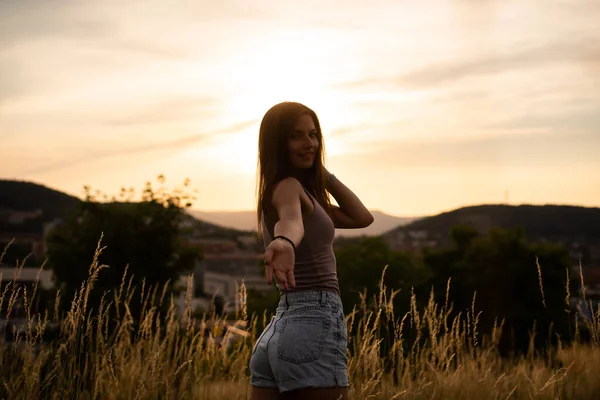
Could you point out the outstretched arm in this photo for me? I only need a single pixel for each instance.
(286, 200)
(279, 254)
(352, 213)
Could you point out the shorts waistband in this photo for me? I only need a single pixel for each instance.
(321, 296)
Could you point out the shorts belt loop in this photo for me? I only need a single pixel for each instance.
(287, 304)
(322, 297)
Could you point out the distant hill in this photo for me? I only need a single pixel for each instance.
(553, 222)
(29, 196)
(246, 220)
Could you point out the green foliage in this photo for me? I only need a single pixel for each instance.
(497, 272)
(500, 270)
(140, 237)
(360, 268)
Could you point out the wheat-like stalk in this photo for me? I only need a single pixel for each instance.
(172, 355)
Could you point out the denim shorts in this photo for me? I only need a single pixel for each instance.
(304, 345)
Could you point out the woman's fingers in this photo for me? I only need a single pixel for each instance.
(269, 273)
(290, 278)
(269, 255)
(281, 278)
(280, 264)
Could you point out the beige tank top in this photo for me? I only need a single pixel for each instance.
(315, 267)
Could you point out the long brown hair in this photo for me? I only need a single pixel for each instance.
(274, 161)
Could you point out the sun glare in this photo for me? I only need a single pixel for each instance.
(286, 67)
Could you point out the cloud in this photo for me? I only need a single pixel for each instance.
(524, 150)
(349, 129)
(148, 48)
(46, 46)
(169, 110)
(585, 117)
(580, 50)
(23, 21)
(176, 144)
(541, 122)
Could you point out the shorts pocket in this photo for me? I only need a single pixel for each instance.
(301, 340)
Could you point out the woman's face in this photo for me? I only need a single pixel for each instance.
(303, 143)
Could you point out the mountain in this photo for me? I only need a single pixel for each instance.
(246, 220)
(551, 222)
(29, 197)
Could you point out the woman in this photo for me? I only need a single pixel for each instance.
(301, 354)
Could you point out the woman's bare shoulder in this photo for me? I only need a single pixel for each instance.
(289, 183)
(290, 189)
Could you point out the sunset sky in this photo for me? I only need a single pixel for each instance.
(425, 105)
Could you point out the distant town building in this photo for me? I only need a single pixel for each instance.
(409, 241)
(34, 241)
(228, 286)
(222, 274)
(26, 275)
(248, 241)
(15, 217)
(212, 245)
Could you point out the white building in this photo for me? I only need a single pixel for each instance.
(222, 275)
(26, 275)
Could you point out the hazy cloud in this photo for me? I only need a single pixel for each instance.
(175, 144)
(46, 20)
(169, 110)
(348, 130)
(585, 118)
(585, 51)
(509, 151)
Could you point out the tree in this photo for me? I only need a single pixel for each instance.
(142, 237)
(361, 265)
(501, 269)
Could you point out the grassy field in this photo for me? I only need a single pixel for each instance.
(170, 357)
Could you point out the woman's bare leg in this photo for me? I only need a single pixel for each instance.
(260, 393)
(334, 393)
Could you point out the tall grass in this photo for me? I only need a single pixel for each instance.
(167, 355)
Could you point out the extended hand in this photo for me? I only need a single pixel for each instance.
(280, 260)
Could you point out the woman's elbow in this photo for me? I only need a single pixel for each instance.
(367, 220)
